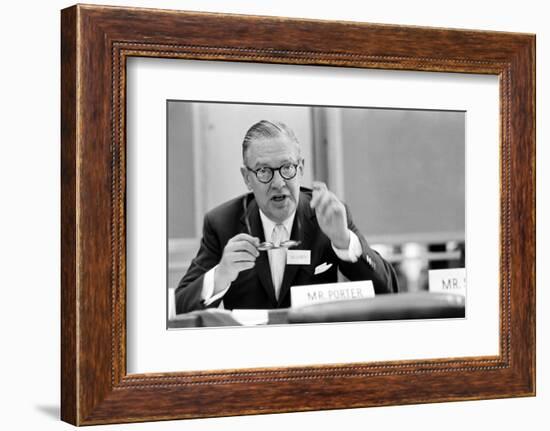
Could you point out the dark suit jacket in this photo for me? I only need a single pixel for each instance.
(254, 288)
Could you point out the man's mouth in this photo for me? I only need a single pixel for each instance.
(278, 198)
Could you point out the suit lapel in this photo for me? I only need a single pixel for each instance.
(262, 262)
(302, 231)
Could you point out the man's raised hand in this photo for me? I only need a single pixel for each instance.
(331, 215)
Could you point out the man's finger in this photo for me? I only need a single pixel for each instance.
(316, 196)
(319, 185)
(314, 199)
(245, 246)
(241, 256)
(319, 188)
(246, 237)
(324, 201)
(243, 266)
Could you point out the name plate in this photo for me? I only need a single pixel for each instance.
(447, 281)
(298, 257)
(317, 293)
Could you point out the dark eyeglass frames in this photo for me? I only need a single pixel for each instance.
(265, 174)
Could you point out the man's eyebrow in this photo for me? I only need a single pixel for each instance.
(262, 164)
(258, 165)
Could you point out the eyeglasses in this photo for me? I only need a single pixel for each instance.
(265, 173)
(267, 245)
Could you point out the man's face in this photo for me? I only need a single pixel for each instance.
(278, 198)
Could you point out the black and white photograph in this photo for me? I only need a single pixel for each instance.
(300, 214)
(275, 215)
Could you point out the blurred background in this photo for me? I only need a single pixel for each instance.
(401, 171)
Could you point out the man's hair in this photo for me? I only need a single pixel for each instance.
(268, 129)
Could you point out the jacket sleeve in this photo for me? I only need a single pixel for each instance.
(370, 265)
(188, 292)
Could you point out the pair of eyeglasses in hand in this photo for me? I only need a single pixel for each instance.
(267, 245)
(289, 243)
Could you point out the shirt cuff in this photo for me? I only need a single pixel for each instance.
(207, 294)
(354, 250)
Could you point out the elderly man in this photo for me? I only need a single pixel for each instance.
(245, 261)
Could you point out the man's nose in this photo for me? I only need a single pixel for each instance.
(278, 181)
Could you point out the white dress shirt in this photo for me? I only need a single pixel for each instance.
(277, 257)
(351, 254)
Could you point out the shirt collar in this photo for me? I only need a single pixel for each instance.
(268, 224)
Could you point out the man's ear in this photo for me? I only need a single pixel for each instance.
(245, 173)
(301, 167)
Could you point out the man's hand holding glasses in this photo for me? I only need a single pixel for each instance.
(239, 254)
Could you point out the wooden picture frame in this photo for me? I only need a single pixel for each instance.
(95, 43)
